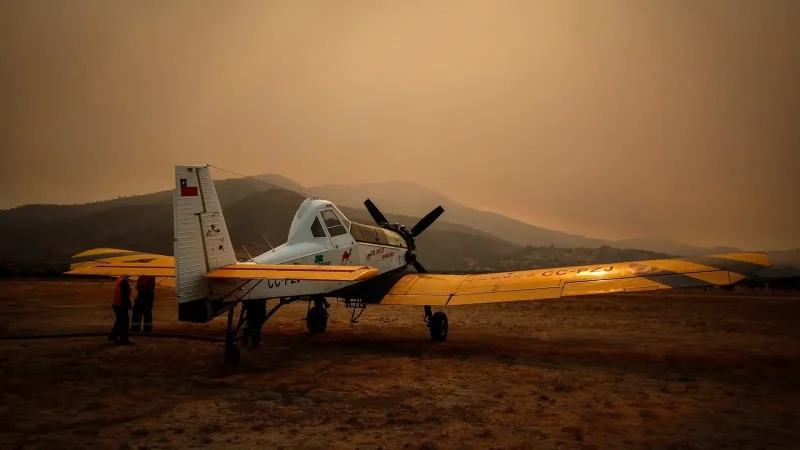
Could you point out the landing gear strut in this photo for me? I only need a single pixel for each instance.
(231, 349)
(437, 324)
(317, 316)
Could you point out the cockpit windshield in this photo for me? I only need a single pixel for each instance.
(345, 221)
(316, 229)
(333, 224)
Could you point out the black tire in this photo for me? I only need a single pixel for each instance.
(231, 354)
(439, 327)
(317, 319)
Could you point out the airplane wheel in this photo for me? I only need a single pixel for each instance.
(231, 354)
(317, 320)
(439, 327)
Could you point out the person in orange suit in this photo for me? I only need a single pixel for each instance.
(143, 306)
(121, 304)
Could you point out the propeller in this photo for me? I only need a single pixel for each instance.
(376, 213)
(426, 221)
(408, 236)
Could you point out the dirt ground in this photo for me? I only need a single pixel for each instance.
(685, 370)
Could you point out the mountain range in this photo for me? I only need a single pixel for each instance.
(263, 207)
(257, 216)
(412, 199)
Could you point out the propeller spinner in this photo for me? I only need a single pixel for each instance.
(408, 236)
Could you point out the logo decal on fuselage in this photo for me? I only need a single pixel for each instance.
(346, 257)
(375, 252)
(380, 254)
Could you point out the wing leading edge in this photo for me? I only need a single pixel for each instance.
(540, 284)
(294, 272)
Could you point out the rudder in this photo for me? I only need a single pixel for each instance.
(201, 241)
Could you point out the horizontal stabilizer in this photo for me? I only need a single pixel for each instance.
(294, 272)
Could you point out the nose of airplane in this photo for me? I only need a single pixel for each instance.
(409, 236)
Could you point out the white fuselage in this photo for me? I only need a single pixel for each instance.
(321, 234)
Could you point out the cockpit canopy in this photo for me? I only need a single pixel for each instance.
(376, 235)
(320, 219)
(307, 225)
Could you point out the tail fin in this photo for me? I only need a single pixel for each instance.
(201, 241)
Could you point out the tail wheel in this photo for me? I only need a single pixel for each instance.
(317, 319)
(438, 327)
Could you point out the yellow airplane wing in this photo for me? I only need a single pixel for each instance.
(98, 256)
(115, 262)
(540, 284)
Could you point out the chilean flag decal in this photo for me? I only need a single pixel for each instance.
(187, 191)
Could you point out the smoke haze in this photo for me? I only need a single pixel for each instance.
(611, 119)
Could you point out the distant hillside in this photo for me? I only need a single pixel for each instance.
(253, 212)
(148, 227)
(410, 198)
(413, 199)
(229, 191)
(785, 257)
(543, 257)
(670, 246)
(280, 181)
(785, 263)
(462, 238)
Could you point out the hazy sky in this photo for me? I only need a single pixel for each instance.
(611, 119)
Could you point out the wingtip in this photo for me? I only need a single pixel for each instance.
(747, 264)
(767, 261)
(759, 258)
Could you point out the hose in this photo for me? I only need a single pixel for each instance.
(18, 337)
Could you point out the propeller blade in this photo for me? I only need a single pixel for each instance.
(419, 267)
(426, 221)
(376, 213)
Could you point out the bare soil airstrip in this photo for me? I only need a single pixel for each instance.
(691, 369)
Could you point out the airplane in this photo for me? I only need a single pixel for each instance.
(326, 255)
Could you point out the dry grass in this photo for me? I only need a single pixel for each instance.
(647, 371)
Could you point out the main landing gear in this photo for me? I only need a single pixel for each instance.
(317, 322)
(232, 352)
(317, 315)
(437, 324)
(231, 349)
